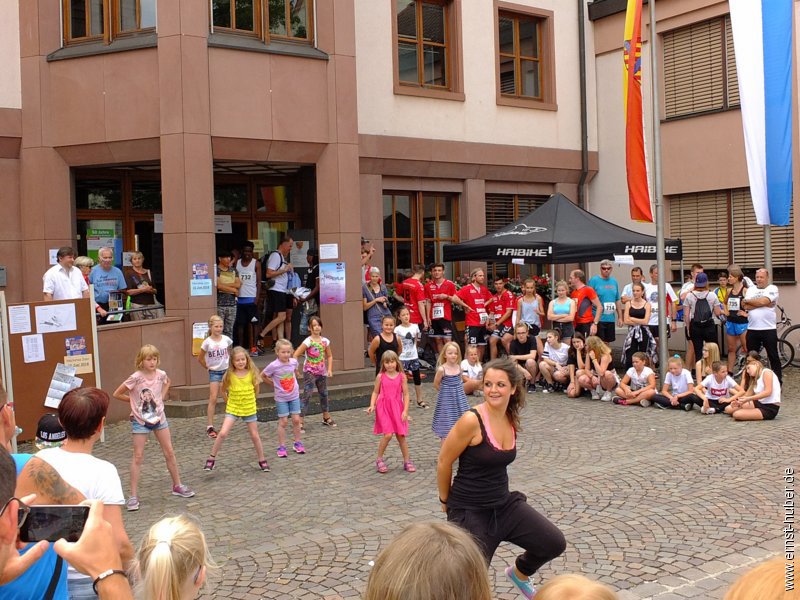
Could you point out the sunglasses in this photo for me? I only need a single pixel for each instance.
(22, 511)
(605, 268)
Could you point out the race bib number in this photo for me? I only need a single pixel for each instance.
(484, 317)
(438, 311)
(734, 304)
(247, 276)
(609, 308)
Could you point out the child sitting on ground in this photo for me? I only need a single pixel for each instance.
(717, 390)
(472, 372)
(678, 388)
(638, 386)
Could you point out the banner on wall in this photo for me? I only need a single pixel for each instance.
(332, 283)
(100, 238)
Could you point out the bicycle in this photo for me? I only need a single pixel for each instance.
(786, 354)
(791, 335)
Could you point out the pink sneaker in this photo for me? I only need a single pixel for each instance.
(299, 448)
(282, 452)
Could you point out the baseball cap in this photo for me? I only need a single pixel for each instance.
(701, 280)
(49, 432)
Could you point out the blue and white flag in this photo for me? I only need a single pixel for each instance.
(762, 40)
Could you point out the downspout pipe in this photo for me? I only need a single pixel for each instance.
(584, 110)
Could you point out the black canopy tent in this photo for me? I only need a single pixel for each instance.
(560, 232)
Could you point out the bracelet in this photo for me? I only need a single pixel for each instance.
(442, 501)
(105, 574)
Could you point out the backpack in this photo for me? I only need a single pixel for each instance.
(702, 311)
(270, 281)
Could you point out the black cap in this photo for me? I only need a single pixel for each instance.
(49, 431)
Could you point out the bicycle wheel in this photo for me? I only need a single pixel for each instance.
(786, 353)
(792, 336)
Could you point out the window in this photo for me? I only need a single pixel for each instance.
(502, 210)
(719, 228)
(416, 227)
(524, 57)
(286, 19)
(85, 20)
(700, 69)
(427, 48)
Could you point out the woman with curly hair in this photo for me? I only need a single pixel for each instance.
(484, 441)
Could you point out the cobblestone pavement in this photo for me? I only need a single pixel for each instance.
(657, 504)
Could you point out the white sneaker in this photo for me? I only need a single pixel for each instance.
(606, 397)
(595, 395)
(645, 403)
(711, 411)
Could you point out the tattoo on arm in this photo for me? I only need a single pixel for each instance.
(48, 483)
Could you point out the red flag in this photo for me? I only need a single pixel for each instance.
(635, 164)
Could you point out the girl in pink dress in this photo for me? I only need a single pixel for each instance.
(389, 402)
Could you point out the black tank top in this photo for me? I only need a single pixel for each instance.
(383, 346)
(733, 317)
(637, 313)
(481, 480)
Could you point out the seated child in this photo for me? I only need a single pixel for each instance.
(638, 386)
(553, 365)
(523, 352)
(678, 389)
(472, 372)
(717, 390)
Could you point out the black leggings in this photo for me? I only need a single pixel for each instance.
(768, 338)
(662, 400)
(516, 522)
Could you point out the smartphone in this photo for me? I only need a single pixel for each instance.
(53, 522)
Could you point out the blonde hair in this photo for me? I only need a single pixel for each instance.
(430, 561)
(283, 343)
(389, 356)
(599, 346)
(764, 582)
(675, 360)
(251, 367)
(147, 351)
(713, 356)
(561, 283)
(441, 360)
(574, 587)
(84, 261)
(173, 551)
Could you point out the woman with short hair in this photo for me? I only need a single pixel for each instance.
(141, 291)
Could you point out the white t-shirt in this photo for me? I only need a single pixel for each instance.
(64, 285)
(690, 303)
(472, 371)
(639, 380)
(559, 356)
(680, 384)
(762, 318)
(217, 352)
(276, 262)
(775, 396)
(651, 294)
(715, 389)
(93, 477)
(408, 337)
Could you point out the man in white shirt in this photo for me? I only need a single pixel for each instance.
(759, 302)
(627, 291)
(64, 281)
(686, 289)
(651, 291)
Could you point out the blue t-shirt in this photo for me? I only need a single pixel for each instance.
(608, 292)
(106, 281)
(33, 583)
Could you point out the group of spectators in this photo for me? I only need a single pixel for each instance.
(70, 277)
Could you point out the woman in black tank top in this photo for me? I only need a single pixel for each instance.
(386, 340)
(636, 317)
(478, 499)
(736, 316)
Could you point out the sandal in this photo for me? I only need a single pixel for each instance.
(210, 462)
(328, 421)
(422, 404)
(211, 432)
(409, 467)
(381, 466)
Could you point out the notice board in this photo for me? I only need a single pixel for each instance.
(38, 336)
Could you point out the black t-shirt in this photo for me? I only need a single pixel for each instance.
(519, 348)
(311, 278)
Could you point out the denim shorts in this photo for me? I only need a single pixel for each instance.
(216, 376)
(137, 427)
(287, 408)
(735, 328)
(247, 418)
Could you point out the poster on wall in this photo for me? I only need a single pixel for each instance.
(332, 283)
(101, 238)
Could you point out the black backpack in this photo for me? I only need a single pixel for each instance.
(702, 311)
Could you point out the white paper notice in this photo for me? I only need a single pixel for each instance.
(222, 224)
(623, 259)
(52, 255)
(158, 223)
(19, 318)
(328, 251)
(55, 317)
(33, 348)
(63, 381)
(517, 261)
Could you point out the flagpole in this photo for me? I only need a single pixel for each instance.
(768, 251)
(663, 350)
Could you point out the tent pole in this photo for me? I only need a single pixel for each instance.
(663, 349)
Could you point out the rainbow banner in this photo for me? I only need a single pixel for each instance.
(762, 41)
(635, 163)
